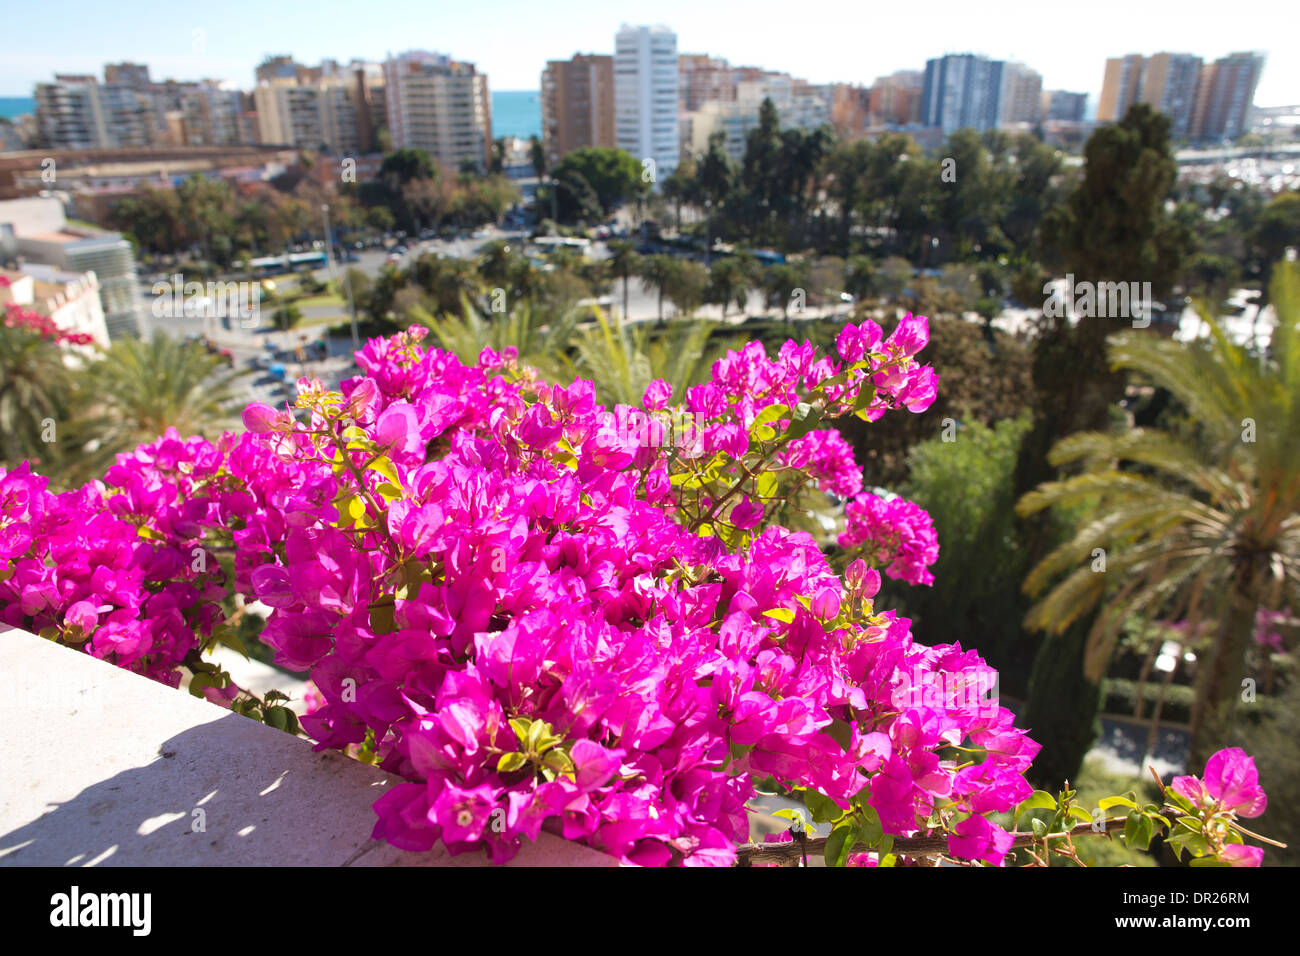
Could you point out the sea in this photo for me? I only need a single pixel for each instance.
(514, 112)
(13, 106)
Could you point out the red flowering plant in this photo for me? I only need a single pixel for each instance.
(544, 614)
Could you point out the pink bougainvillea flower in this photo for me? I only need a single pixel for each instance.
(1231, 783)
(746, 514)
(657, 395)
(977, 838)
(1238, 854)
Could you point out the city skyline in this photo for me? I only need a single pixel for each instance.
(514, 59)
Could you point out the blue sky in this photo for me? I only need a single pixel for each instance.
(510, 40)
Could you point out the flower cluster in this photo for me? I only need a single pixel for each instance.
(543, 621)
(27, 320)
(1268, 626)
(1229, 789)
(892, 533)
(114, 566)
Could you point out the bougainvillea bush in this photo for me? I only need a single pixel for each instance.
(546, 614)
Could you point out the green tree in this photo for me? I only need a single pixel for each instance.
(687, 284)
(781, 282)
(623, 359)
(1276, 230)
(657, 274)
(36, 389)
(1205, 527)
(537, 156)
(612, 176)
(1114, 227)
(141, 388)
(860, 277)
(729, 281)
(716, 176)
(624, 263)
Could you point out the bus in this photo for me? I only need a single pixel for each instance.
(293, 262)
(551, 243)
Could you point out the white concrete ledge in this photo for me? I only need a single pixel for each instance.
(99, 766)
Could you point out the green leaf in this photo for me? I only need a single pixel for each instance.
(841, 732)
(838, 845)
(536, 730)
(1038, 800)
(1107, 802)
(277, 717)
(1138, 830)
(805, 418)
(1209, 861)
(382, 619)
(871, 831)
(385, 468)
(201, 682)
(1178, 800)
(767, 484)
(822, 807)
(510, 762)
(782, 614)
(1039, 828)
(771, 414)
(1080, 813)
(796, 818)
(559, 761)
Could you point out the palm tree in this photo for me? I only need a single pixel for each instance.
(539, 335)
(728, 282)
(36, 388)
(140, 389)
(1206, 526)
(622, 360)
(657, 273)
(624, 263)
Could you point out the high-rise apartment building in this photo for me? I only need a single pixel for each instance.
(1020, 94)
(961, 91)
(645, 96)
(290, 115)
(704, 79)
(1065, 106)
(1227, 93)
(213, 116)
(1169, 83)
(134, 75)
(439, 105)
(850, 108)
(1120, 87)
(577, 104)
(798, 105)
(1202, 101)
(895, 100)
(78, 112)
(333, 108)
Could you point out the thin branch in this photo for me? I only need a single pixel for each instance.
(784, 853)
